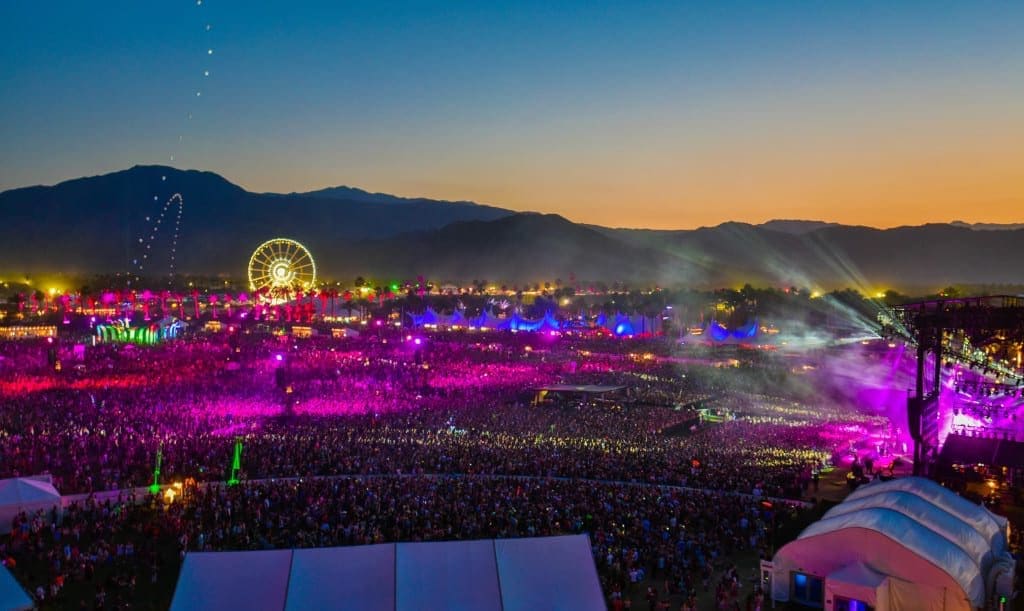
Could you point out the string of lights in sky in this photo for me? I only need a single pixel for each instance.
(149, 238)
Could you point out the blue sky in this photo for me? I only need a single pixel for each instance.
(689, 113)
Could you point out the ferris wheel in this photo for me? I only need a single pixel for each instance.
(281, 265)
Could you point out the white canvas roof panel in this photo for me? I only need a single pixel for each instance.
(483, 575)
(357, 578)
(991, 526)
(255, 581)
(453, 575)
(563, 579)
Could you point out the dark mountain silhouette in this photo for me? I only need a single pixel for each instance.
(796, 226)
(526, 247)
(92, 225)
(988, 226)
(354, 194)
(836, 256)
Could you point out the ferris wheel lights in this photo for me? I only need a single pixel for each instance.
(279, 266)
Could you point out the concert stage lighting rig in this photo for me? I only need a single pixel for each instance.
(994, 322)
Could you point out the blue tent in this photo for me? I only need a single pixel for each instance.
(428, 317)
(12, 596)
(720, 333)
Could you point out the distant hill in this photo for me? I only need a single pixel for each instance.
(988, 226)
(933, 255)
(354, 194)
(525, 247)
(92, 225)
(796, 227)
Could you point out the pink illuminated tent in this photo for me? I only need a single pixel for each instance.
(905, 544)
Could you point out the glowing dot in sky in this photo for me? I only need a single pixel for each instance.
(206, 73)
(209, 51)
(208, 27)
(154, 199)
(199, 93)
(163, 178)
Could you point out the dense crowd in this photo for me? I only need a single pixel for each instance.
(414, 440)
(368, 408)
(673, 539)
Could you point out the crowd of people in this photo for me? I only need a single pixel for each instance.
(398, 437)
(122, 551)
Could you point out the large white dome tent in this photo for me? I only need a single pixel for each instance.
(907, 544)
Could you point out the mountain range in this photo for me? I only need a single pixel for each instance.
(101, 224)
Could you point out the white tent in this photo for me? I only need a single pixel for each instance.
(535, 573)
(12, 596)
(991, 526)
(447, 575)
(350, 574)
(557, 575)
(234, 580)
(906, 544)
(858, 582)
(28, 494)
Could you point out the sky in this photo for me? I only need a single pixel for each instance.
(628, 114)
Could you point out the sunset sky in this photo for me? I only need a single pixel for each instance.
(661, 115)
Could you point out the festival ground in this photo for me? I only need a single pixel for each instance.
(434, 435)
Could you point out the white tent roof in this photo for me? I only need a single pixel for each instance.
(12, 596)
(350, 574)
(924, 512)
(917, 513)
(233, 580)
(558, 576)
(27, 491)
(991, 526)
(28, 494)
(548, 572)
(447, 575)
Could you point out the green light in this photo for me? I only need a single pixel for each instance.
(154, 488)
(236, 463)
